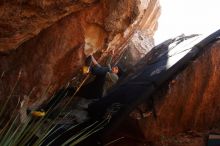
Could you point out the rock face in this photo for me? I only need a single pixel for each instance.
(139, 45)
(187, 109)
(43, 43)
(192, 101)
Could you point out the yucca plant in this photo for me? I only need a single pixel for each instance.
(15, 133)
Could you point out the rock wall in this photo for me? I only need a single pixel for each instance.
(138, 46)
(187, 110)
(43, 43)
(192, 101)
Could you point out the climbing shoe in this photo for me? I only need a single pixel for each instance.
(38, 114)
(85, 69)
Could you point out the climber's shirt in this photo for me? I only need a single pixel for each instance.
(104, 78)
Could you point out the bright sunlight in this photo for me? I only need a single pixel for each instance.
(188, 17)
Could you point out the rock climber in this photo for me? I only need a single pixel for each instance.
(104, 79)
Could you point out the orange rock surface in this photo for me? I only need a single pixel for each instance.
(44, 42)
(188, 109)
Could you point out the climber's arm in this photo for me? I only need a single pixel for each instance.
(109, 60)
(94, 61)
(97, 69)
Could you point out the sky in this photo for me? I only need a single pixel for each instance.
(188, 17)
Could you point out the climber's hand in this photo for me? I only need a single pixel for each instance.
(112, 52)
